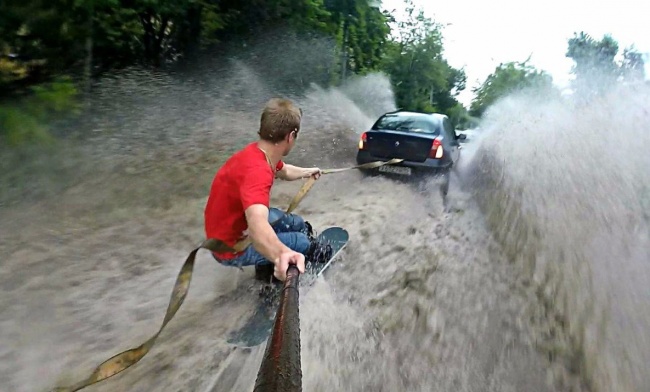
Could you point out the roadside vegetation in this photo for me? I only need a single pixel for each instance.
(54, 53)
(51, 51)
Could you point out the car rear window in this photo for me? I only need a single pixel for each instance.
(415, 124)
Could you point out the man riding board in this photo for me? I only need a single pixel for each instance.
(239, 200)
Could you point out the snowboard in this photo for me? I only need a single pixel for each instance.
(258, 327)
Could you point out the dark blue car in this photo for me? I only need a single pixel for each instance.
(427, 142)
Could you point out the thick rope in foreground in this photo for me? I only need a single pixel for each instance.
(281, 370)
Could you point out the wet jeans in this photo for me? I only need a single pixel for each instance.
(290, 229)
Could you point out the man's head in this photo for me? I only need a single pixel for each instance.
(280, 123)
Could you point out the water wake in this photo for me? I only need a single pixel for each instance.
(420, 301)
(565, 185)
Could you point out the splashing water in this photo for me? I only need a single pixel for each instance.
(565, 185)
(421, 300)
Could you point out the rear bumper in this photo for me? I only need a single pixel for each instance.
(429, 165)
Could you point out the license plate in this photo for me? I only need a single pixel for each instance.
(406, 171)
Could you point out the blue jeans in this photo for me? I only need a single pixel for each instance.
(290, 229)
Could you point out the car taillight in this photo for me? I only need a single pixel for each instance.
(436, 149)
(362, 141)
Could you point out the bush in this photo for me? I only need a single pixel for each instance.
(26, 119)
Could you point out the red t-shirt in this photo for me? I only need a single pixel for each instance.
(245, 179)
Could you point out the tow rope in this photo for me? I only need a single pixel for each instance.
(128, 358)
(281, 370)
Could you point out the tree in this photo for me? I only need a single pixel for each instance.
(421, 77)
(594, 61)
(35, 35)
(42, 40)
(506, 79)
(595, 66)
(632, 66)
(361, 30)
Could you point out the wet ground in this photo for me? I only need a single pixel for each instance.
(420, 300)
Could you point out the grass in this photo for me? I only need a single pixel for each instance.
(24, 119)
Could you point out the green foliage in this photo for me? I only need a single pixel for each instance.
(422, 78)
(24, 120)
(362, 32)
(595, 65)
(458, 116)
(54, 97)
(11, 71)
(19, 126)
(506, 79)
(82, 38)
(632, 66)
(123, 32)
(590, 53)
(594, 61)
(117, 36)
(211, 22)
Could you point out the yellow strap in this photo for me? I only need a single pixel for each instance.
(125, 359)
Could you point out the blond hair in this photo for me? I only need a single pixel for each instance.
(280, 117)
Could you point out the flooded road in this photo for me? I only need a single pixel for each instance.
(425, 297)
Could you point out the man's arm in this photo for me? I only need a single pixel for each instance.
(267, 243)
(264, 238)
(292, 173)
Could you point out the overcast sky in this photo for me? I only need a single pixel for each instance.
(483, 34)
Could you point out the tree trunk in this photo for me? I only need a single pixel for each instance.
(189, 35)
(149, 36)
(160, 38)
(344, 51)
(88, 64)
